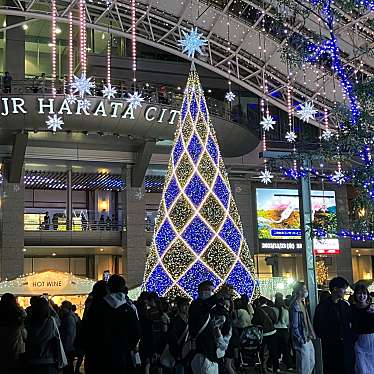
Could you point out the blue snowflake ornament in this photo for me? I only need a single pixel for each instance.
(192, 42)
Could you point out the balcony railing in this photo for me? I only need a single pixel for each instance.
(153, 94)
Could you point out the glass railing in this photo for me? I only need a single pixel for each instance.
(65, 225)
(83, 220)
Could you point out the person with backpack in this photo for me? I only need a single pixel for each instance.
(202, 329)
(113, 331)
(44, 351)
(265, 317)
(68, 332)
(177, 334)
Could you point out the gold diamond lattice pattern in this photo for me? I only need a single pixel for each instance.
(198, 234)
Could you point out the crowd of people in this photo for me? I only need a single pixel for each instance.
(209, 335)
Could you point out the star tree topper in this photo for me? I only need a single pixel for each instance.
(192, 42)
(54, 123)
(307, 111)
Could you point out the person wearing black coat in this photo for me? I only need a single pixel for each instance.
(202, 329)
(333, 325)
(177, 333)
(112, 331)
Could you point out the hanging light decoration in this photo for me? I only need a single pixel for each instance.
(267, 123)
(230, 96)
(53, 54)
(109, 91)
(83, 36)
(135, 100)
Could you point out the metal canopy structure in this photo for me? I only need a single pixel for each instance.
(85, 181)
(160, 24)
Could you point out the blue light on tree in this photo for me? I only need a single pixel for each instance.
(198, 234)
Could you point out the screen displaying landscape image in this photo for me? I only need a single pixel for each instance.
(278, 213)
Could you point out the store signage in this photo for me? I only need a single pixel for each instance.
(326, 246)
(98, 108)
(47, 282)
(321, 246)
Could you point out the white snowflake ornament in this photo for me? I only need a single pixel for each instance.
(192, 42)
(71, 99)
(307, 111)
(327, 135)
(267, 123)
(84, 104)
(230, 96)
(291, 136)
(265, 176)
(135, 100)
(109, 91)
(54, 123)
(82, 85)
(338, 177)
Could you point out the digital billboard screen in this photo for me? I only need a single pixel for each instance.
(278, 213)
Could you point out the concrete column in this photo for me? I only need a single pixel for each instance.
(69, 200)
(243, 195)
(133, 239)
(11, 229)
(344, 259)
(15, 47)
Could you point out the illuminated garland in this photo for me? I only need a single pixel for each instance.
(54, 41)
(198, 232)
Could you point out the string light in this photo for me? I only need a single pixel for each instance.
(133, 40)
(108, 62)
(83, 36)
(198, 233)
(54, 41)
(70, 51)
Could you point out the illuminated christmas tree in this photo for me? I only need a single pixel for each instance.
(198, 233)
(322, 272)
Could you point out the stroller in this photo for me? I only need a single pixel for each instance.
(250, 345)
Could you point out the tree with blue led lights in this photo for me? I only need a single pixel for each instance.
(198, 233)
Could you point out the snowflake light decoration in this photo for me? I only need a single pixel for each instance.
(84, 104)
(291, 136)
(338, 177)
(135, 100)
(109, 91)
(307, 111)
(82, 85)
(71, 99)
(266, 176)
(54, 123)
(327, 135)
(267, 123)
(192, 42)
(230, 96)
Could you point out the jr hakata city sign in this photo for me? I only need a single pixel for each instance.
(101, 108)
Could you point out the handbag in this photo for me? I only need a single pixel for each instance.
(61, 356)
(167, 359)
(189, 345)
